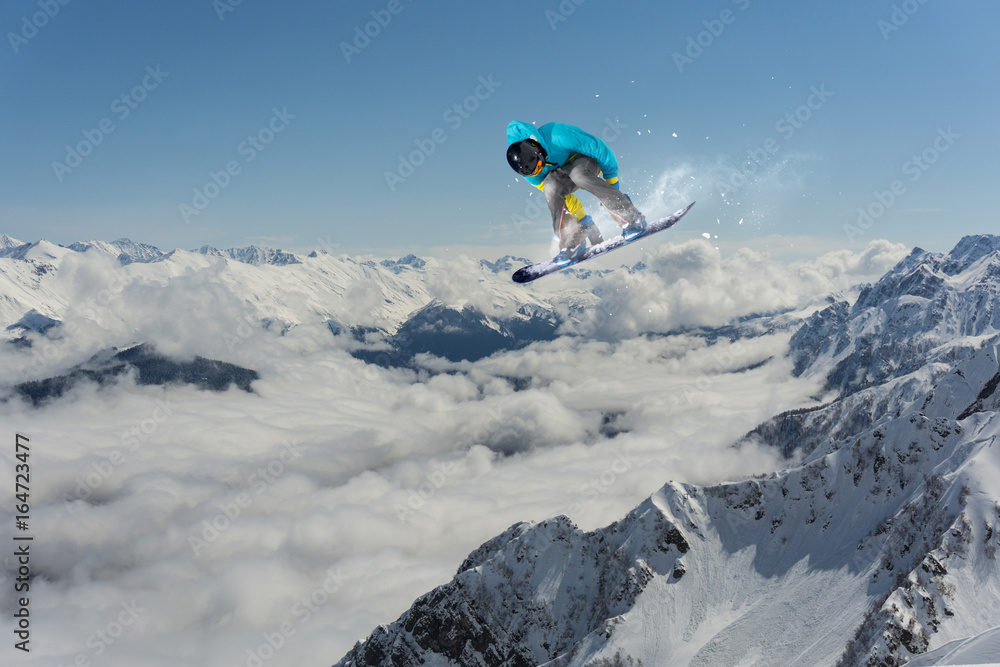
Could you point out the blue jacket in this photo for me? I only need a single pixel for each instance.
(561, 142)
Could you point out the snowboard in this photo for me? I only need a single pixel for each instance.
(535, 271)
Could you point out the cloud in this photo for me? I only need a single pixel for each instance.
(834, 268)
(691, 284)
(360, 302)
(751, 185)
(191, 312)
(293, 520)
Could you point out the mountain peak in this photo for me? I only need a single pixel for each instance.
(970, 250)
(927, 300)
(126, 250)
(43, 251)
(9, 242)
(505, 263)
(254, 255)
(397, 265)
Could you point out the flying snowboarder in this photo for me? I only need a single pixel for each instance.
(559, 159)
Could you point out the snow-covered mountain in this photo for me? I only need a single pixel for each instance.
(255, 255)
(877, 544)
(127, 251)
(274, 286)
(9, 242)
(147, 366)
(465, 333)
(401, 307)
(928, 301)
(40, 251)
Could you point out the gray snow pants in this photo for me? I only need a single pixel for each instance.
(582, 172)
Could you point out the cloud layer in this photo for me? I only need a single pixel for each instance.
(175, 526)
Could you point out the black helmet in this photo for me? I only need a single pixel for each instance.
(526, 157)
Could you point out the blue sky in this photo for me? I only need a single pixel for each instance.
(197, 122)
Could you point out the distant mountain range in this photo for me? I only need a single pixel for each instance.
(405, 319)
(128, 251)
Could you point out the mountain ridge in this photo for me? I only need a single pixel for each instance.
(906, 442)
(325, 280)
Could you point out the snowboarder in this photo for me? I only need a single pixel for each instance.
(559, 159)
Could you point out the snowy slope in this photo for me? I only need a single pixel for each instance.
(27, 274)
(879, 545)
(982, 649)
(768, 572)
(926, 302)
